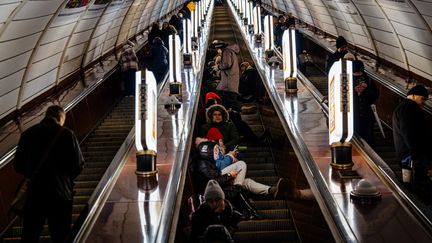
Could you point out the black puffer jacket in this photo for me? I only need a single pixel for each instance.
(62, 165)
(204, 168)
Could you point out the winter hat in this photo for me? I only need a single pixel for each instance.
(418, 90)
(214, 134)
(213, 190)
(217, 233)
(213, 95)
(340, 41)
(358, 66)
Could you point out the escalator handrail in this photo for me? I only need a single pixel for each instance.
(333, 215)
(380, 167)
(171, 204)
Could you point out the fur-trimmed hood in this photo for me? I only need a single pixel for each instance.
(217, 107)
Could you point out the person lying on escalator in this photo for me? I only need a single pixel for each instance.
(233, 179)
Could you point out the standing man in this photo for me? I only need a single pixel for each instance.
(230, 75)
(50, 192)
(365, 94)
(411, 138)
(129, 65)
(341, 50)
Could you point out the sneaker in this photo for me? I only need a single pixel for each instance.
(279, 188)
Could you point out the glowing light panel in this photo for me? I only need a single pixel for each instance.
(289, 54)
(174, 59)
(340, 97)
(146, 111)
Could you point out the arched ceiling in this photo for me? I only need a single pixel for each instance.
(398, 31)
(42, 42)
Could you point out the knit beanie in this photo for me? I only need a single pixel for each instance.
(340, 41)
(214, 134)
(213, 95)
(418, 90)
(213, 190)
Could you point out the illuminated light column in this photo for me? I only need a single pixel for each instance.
(175, 66)
(268, 36)
(187, 40)
(146, 124)
(257, 23)
(341, 120)
(195, 27)
(245, 12)
(289, 55)
(241, 9)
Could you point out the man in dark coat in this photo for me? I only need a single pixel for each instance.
(341, 50)
(365, 94)
(411, 135)
(158, 59)
(154, 32)
(50, 193)
(216, 210)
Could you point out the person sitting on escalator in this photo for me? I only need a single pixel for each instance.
(218, 117)
(216, 210)
(232, 178)
(241, 126)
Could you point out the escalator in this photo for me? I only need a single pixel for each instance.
(98, 149)
(275, 223)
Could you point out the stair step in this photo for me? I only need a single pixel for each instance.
(273, 236)
(265, 225)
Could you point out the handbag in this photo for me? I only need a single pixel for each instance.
(17, 205)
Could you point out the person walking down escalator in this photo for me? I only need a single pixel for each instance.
(158, 58)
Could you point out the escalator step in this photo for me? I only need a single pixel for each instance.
(265, 225)
(273, 236)
(269, 204)
(255, 173)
